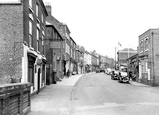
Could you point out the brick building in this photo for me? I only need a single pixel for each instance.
(123, 55)
(22, 34)
(55, 48)
(149, 57)
(54, 54)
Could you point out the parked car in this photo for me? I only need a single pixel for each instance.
(102, 70)
(123, 77)
(108, 71)
(115, 74)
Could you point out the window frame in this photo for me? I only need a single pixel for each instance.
(31, 3)
(37, 39)
(30, 33)
(37, 9)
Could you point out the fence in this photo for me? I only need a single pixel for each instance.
(15, 99)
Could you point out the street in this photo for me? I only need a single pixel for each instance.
(97, 94)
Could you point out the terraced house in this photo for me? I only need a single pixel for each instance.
(22, 34)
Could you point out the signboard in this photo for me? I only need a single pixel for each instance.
(55, 44)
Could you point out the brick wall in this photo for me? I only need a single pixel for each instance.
(11, 37)
(156, 55)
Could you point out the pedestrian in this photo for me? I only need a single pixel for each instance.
(68, 73)
(130, 75)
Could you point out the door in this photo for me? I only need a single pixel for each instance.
(38, 81)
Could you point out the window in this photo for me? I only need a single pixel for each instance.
(74, 54)
(30, 34)
(37, 10)
(43, 44)
(141, 45)
(42, 18)
(37, 34)
(37, 43)
(42, 40)
(30, 27)
(71, 52)
(146, 43)
(67, 48)
(30, 3)
(144, 66)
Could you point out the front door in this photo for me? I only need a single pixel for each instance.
(38, 81)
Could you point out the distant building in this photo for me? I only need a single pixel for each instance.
(73, 61)
(123, 55)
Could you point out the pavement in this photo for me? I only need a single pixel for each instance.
(138, 84)
(54, 99)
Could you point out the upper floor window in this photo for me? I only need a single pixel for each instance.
(37, 31)
(30, 34)
(42, 18)
(30, 27)
(141, 43)
(30, 3)
(42, 40)
(37, 10)
(146, 40)
(37, 43)
(43, 50)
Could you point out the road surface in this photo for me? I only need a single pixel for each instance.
(97, 94)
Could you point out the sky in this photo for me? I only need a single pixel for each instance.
(100, 24)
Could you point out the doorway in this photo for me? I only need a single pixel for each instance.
(38, 81)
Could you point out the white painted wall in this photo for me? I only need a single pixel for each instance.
(25, 69)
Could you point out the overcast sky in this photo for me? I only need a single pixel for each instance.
(100, 24)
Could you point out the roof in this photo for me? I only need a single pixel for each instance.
(135, 55)
(49, 24)
(72, 39)
(149, 30)
(42, 4)
(127, 50)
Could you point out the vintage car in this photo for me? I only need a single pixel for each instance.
(123, 77)
(108, 71)
(115, 74)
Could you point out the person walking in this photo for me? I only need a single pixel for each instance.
(68, 73)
